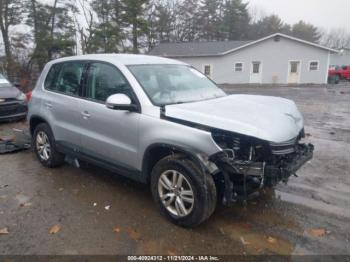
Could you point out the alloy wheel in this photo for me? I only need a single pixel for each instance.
(176, 193)
(43, 146)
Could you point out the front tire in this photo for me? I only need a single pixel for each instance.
(45, 147)
(184, 194)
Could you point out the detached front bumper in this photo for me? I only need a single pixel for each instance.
(273, 174)
(241, 180)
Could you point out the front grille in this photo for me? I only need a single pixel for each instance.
(12, 108)
(284, 148)
(10, 99)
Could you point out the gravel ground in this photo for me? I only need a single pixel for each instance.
(309, 215)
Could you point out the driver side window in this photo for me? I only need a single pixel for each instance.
(105, 80)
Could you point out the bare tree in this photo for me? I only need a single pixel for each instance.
(256, 13)
(10, 15)
(87, 29)
(337, 38)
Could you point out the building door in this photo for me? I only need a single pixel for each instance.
(256, 72)
(294, 72)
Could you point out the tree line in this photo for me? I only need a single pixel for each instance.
(36, 31)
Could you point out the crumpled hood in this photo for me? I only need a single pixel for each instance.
(9, 92)
(268, 118)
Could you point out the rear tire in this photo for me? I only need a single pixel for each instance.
(168, 194)
(45, 147)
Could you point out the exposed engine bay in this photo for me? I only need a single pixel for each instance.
(247, 164)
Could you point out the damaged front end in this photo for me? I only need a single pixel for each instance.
(248, 164)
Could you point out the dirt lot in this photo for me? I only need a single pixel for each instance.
(310, 215)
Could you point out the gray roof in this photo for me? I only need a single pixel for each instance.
(196, 48)
(192, 49)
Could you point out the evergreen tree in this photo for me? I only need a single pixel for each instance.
(165, 22)
(135, 21)
(107, 33)
(267, 26)
(161, 22)
(188, 21)
(235, 20)
(53, 30)
(306, 31)
(210, 19)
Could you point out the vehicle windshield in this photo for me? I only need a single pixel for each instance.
(4, 82)
(173, 84)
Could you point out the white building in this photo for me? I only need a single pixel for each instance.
(278, 59)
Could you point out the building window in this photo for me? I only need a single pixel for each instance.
(294, 67)
(313, 66)
(256, 67)
(207, 70)
(238, 67)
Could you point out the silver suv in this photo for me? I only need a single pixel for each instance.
(161, 122)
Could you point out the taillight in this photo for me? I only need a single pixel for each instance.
(29, 96)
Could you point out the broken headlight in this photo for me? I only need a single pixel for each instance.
(240, 147)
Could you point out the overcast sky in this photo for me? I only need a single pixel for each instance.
(322, 13)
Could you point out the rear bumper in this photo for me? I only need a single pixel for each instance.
(13, 110)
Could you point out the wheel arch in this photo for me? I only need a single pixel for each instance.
(34, 121)
(157, 151)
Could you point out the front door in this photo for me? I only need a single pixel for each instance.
(294, 72)
(110, 135)
(256, 72)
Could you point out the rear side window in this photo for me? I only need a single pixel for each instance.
(51, 78)
(105, 80)
(65, 78)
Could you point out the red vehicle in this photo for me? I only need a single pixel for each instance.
(340, 72)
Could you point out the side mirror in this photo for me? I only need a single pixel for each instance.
(121, 102)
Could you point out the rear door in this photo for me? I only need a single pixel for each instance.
(61, 102)
(109, 135)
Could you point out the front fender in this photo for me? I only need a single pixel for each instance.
(160, 131)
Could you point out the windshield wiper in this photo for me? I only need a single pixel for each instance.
(175, 103)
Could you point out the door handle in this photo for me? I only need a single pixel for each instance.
(48, 105)
(86, 115)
